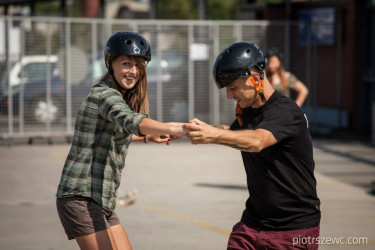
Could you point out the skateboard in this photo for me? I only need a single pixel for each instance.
(128, 199)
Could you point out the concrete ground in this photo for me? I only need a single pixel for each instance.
(189, 197)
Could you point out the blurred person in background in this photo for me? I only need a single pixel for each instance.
(112, 116)
(283, 209)
(284, 81)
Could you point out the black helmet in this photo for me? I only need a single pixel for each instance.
(127, 43)
(235, 61)
(274, 52)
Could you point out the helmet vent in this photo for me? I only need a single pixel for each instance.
(248, 51)
(128, 42)
(142, 43)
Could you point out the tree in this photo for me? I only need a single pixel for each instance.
(222, 10)
(176, 9)
(187, 9)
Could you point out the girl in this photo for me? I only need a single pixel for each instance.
(282, 80)
(111, 116)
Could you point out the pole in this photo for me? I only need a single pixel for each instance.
(287, 36)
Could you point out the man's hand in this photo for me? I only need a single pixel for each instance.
(201, 132)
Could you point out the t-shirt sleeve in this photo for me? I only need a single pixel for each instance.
(235, 125)
(113, 108)
(292, 80)
(281, 123)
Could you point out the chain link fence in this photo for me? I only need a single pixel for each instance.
(47, 66)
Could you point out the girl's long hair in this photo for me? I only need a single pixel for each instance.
(138, 101)
(280, 72)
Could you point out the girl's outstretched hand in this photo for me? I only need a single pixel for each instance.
(178, 129)
(160, 138)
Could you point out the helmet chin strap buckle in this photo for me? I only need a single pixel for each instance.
(260, 88)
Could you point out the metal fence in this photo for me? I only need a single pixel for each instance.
(47, 66)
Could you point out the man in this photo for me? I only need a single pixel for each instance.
(283, 210)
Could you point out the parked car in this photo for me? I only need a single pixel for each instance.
(29, 68)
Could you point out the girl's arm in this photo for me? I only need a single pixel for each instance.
(137, 138)
(154, 138)
(148, 126)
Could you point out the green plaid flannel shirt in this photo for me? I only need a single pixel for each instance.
(103, 132)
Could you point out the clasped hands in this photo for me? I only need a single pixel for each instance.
(198, 131)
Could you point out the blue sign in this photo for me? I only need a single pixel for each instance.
(317, 26)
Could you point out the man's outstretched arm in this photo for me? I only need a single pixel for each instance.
(245, 140)
(220, 126)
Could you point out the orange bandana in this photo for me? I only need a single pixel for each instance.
(238, 114)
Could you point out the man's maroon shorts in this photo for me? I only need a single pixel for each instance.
(245, 237)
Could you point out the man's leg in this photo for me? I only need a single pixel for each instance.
(307, 238)
(242, 238)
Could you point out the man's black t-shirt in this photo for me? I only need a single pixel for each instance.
(280, 178)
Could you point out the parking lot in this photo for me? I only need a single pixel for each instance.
(189, 197)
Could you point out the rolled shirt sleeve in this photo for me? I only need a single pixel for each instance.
(113, 108)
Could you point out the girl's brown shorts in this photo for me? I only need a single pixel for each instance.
(82, 216)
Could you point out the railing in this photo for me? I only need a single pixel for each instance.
(51, 63)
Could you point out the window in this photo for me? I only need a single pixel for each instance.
(36, 70)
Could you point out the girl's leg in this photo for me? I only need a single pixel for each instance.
(97, 241)
(121, 238)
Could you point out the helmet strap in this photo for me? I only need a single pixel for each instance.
(260, 88)
(129, 93)
(110, 69)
